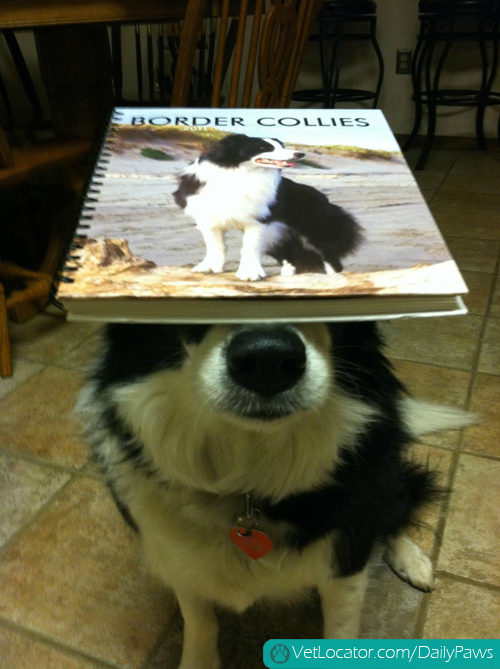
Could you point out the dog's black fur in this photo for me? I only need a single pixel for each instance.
(372, 495)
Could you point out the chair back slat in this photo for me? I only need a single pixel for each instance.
(277, 42)
(151, 64)
(308, 13)
(238, 54)
(191, 30)
(138, 62)
(6, 157)
(252, 53)
(219, 59)
(274, 44)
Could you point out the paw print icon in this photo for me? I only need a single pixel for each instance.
(280, 653)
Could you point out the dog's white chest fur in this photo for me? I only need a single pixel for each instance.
(231, 198)
(186, 543)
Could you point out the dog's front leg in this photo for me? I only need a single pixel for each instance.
(341, 602)
(199, 650)
(215, 250)
(250, 268)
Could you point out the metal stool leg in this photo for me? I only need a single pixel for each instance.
(486, 85)
(380, 58)
(416, 73)
(433, 92)
(334, 70)
(432, 107)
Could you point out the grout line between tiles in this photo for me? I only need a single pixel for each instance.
(484, 456)
(438, 540)
(29, 378)
(55, 644)
(492, 587)
(18, 455)
(34, 518)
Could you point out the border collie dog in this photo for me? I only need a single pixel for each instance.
(219, 442)
(237, 184)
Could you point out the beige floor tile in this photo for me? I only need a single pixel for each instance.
(21, 371)
(468, 223)
(81, 356)
(471, 541)
(386, 594)
(37, 418)
(74, 576)
(430, 179)
(437, 460)
(438, 161)
(475, 183)
(45, 338)
(480, 286)
(485, 437)
(447, 342)
(477, 163)
(489, 360)
(21, 652)
(24, 488)
(475, 255)
(435, 384)
(462, 611)
(468, 201)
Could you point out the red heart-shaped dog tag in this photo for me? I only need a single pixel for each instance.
(254, 543)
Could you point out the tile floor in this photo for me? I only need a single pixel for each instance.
(72, 591)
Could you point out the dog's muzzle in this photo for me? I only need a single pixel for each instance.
(266, 361)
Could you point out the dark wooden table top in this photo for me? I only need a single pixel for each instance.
(38, 13)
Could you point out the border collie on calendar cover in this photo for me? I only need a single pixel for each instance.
(259, 462)
(237, 184)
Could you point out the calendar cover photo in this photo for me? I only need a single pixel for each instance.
(225, 203)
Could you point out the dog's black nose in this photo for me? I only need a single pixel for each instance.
(298, 155)
(266, 361)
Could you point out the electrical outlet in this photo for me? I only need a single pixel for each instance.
(403, 61)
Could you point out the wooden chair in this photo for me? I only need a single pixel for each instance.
(17, 165)
(275, 45)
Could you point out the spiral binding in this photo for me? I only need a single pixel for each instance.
(91, 197)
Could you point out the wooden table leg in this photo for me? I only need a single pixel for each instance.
(76, 69)
(5, 362)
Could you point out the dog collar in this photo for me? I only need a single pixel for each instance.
(251, 541)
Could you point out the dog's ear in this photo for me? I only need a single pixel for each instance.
(231, 139)
(225, 152)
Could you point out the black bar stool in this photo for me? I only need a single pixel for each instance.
(333, 19)
(449, 22)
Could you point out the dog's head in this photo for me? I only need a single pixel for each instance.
(224, 407)
(237, 150)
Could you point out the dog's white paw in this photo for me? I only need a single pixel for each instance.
(209, 266)
(410, 563)
(287, 269)
(250, 272)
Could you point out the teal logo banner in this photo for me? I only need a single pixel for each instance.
(382, 654)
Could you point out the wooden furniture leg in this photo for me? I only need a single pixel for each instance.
(5, 362)
(75, 65)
